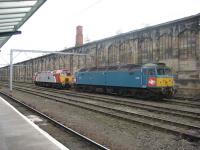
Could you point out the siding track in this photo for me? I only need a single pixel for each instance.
(118, 109)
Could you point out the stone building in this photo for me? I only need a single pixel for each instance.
(176, 43)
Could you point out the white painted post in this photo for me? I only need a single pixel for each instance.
(11, 72)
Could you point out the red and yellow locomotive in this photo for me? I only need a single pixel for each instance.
(58, 78)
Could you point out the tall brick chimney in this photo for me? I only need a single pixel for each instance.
(79, 35)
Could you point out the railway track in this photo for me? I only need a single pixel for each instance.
(145, 105)
(88, 143)
(130, 103)
(188, 98)
(190, 102)
(158, 107)
(187, 102)
(186, 130)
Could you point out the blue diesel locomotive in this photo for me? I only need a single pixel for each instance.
(142, 81)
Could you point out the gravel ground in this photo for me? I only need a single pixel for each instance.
(140, 111)
(163, 103)
(111, 132)
(145, 112)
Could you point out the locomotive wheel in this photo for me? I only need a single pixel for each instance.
(144, 94)
(121, 92)
(109, 91)
(91, 89)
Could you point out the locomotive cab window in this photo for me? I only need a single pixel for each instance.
(149, 71)
(68, 74)
(164, 71)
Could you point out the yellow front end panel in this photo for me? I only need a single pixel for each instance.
(165, 82)
(70, 79)
(66, 79)
(62, 79)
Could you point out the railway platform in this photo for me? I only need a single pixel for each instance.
(17, 132)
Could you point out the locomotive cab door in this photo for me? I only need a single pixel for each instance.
(148, 77)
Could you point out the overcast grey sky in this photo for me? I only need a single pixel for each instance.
(53, 26)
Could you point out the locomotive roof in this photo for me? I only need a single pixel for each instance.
(155, 65)
(56, 71)
(112, 68)
(127, 67)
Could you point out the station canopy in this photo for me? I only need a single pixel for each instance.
(13, 14)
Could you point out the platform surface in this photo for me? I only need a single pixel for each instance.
(17, 132)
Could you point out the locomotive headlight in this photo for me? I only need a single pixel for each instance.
(74, 80)
(152, 81)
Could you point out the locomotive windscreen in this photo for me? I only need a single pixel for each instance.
(164, 71)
